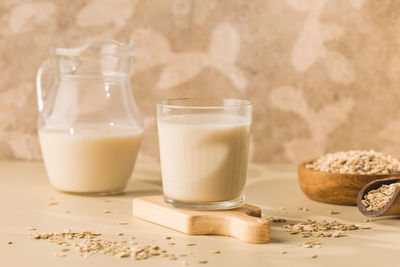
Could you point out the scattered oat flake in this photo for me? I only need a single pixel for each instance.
(283, 252)
(9, 243)
(53, 202)
(30, 228)
(67, 211)
(120, 234)
(313, 256)
(171, 243)
(334, 212)
(172, 257)
(191, 244)
(337, 234)
(183, 255)
(35, 236)
(276, 219)
(313, 228)
(167, 237)
(88, 243)
(121, 223)
(107, 211)
(303, 209)
(310, 243)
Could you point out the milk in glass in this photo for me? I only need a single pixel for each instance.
(204, 156)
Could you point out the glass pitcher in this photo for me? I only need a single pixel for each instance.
(89, 125)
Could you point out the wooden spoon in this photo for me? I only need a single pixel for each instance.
(391, 208)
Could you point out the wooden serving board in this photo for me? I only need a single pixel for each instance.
(244, 223)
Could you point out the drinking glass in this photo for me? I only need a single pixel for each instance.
(204, 145)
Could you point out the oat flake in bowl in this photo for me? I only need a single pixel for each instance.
(356, 162)
(378, 198)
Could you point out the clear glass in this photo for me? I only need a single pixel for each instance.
(204, 151)
(89, 125)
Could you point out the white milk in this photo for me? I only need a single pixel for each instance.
(88, 161)
(203, 156)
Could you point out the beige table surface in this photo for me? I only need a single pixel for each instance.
(25, 193)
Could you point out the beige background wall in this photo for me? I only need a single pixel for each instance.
(324, 75)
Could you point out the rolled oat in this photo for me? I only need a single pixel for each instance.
(313, 228)
(356, 162)
(378, 198)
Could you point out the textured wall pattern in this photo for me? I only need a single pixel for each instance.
(323, 75)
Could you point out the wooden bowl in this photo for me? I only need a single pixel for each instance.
(334, 188)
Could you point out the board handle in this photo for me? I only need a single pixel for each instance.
(235, 224)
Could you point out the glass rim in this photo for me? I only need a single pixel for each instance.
(182, 103)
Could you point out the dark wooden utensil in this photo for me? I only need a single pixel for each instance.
(391, 208)
(333, 188)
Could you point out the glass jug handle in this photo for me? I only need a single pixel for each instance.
(40, 93)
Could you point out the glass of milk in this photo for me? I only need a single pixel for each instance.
(204, 145)
(89, 125)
